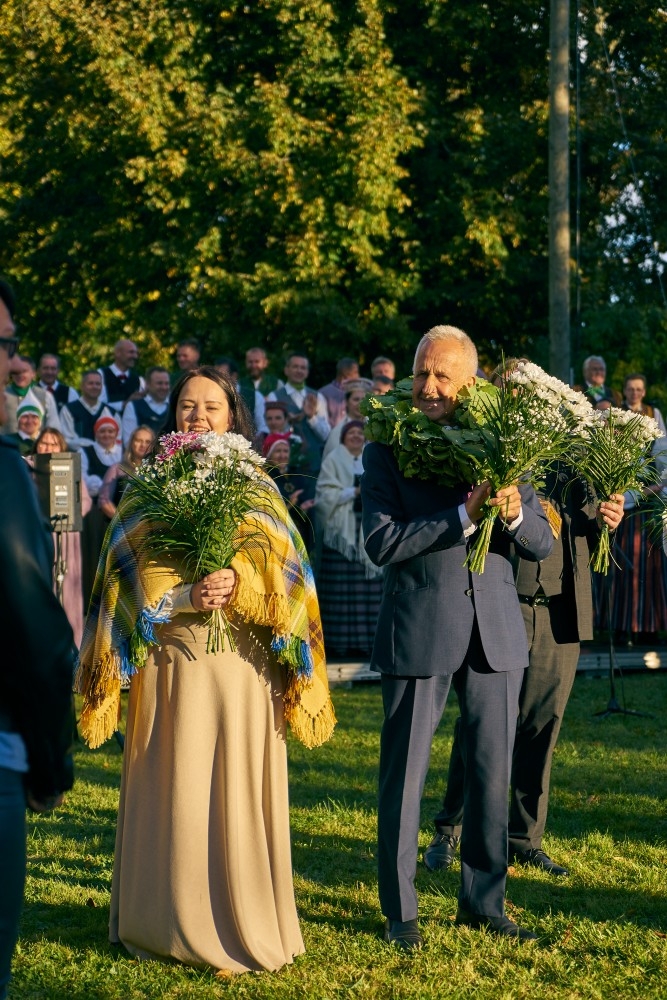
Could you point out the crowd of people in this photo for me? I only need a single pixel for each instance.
(115, 414)
(113, 417)
(205, 755)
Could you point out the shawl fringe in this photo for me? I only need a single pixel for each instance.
(132, 594)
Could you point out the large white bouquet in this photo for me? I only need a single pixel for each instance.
(197, 490)
(614, 456)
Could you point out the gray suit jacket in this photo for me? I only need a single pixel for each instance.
(430, 598)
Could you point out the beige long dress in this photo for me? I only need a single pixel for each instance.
(203, 870)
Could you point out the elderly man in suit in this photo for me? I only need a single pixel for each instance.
(556, 603)
(441, 625)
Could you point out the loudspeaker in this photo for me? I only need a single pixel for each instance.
(58, 479)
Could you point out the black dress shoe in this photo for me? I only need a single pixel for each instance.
(502, 926)
(538, 859)
(441, 851)
(404, 934)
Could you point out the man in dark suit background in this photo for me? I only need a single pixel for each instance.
(441, 625)
(556, 603)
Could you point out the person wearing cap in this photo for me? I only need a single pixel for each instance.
(29, 418)
(348, 584)
(96, 459)
(295, 487)
(355, 389)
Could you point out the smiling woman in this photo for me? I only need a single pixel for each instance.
(202, 868)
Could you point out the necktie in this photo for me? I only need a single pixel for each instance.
(122, 377)
(50, 389)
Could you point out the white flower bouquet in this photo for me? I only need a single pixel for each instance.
(527, 425)
(197, 490)
(614, 456)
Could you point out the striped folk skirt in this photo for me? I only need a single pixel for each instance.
(349, 605)
(637, 581)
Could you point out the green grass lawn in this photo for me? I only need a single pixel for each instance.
(603, 931)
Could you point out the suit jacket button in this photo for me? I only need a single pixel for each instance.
(469, 592)
(523, 540)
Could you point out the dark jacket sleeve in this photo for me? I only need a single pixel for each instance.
(390, 536)
(37, 656)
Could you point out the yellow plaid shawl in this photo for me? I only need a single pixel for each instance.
(274, 587)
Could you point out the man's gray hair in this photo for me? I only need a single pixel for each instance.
(452, 333)
(594, 359)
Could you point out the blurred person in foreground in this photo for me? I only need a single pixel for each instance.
(35, 668)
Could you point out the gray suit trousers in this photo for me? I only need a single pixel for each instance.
(413, 707)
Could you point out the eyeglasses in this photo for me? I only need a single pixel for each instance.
(10, 344)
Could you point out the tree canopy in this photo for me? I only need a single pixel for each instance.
(330, 176)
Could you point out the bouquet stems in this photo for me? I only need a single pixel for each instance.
(478, 551)
(600, 559)
(219, 629)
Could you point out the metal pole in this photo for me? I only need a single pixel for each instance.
(559, 190)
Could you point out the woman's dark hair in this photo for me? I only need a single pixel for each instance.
(242, 422)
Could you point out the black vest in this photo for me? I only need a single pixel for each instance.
(84, 421)
(95, 466)
(118, 390)
(146, 415)
(61, 395)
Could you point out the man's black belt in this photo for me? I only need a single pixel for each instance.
(536, 601)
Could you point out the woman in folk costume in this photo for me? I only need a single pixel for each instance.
(349, 585)
(202, 869)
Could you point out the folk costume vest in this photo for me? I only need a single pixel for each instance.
(84, 420)
(311, 441)
(119, 389)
